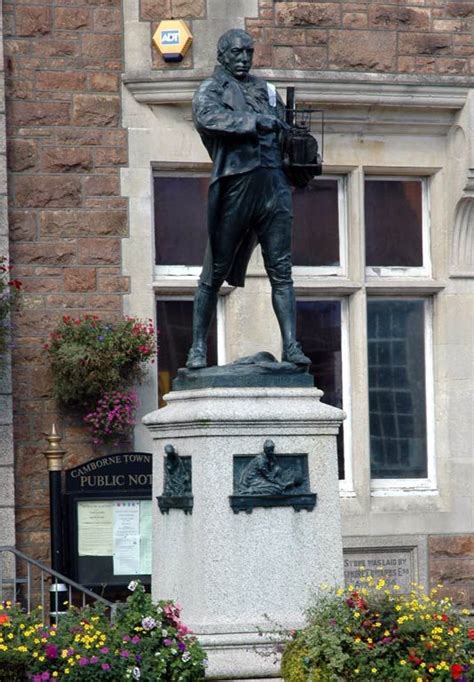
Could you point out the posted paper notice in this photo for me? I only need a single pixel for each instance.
(145, 537)
(126, 538)
(95, 528)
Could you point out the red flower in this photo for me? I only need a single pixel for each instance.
(4, 618)
(456, 671)
(470, 633)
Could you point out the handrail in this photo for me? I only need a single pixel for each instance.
(58, 578)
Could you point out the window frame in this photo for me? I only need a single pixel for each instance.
(383, 487)
(346, 484)
(332, 270)
(351, 283)
(373, 272)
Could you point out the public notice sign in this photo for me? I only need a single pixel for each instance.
(109, 516)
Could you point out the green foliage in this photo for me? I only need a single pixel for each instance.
(90, 357)
(145, 642)
(378, 633)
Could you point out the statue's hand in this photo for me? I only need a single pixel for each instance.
(267, 124)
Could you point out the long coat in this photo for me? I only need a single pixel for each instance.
(228, 129)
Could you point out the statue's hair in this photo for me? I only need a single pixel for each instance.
(227, 38)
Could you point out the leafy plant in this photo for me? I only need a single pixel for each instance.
(376, 632)
(9, 297)
(145, 641)
(90, 357)
(93, 362)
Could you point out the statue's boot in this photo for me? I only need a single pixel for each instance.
(205, 302)
(284, 305)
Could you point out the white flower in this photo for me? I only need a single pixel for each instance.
(164, 633)
(136, 673)
(132, 585)
(186, 656)
(148, 623)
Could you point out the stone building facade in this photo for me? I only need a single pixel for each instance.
(99, 137)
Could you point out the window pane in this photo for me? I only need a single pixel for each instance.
(180, 219)
(174, 321)
(315, 225)
(393, 223)
(397, 388)
(318, 328)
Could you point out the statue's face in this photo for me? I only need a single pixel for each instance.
(237, 59)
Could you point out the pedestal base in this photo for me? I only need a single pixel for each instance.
(240, 574)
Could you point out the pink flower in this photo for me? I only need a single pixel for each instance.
(51, 651)
(105, 666)
(83, 660)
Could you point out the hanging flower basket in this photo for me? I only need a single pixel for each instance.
(94, 364)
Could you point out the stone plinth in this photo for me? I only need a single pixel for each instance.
(237, 573)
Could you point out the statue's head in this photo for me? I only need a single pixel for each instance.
(269, 448)
(170, 451)
(235, 52)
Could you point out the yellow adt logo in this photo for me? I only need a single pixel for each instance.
(173, 39)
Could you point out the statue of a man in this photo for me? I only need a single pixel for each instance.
(241, 122)
(264, 476)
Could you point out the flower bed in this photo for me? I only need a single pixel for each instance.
(377, 633)
(145, 642)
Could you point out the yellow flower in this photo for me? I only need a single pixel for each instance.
(356, 614)
(66, 671)
(55, 674)
(373, 670)
(41, 658)
(356, 671)
(403, 662)
(386, 633)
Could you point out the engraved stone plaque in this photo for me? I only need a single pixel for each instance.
(395, 564)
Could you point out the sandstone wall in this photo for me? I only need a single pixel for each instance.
(405, 36)
(65, 147)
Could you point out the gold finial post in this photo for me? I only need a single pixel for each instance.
(55, 453)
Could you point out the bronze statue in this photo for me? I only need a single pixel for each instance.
(264, 476)
(241, 120)
(177, 479)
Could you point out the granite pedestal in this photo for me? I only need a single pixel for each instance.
(236, 574)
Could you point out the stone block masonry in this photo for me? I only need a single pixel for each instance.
(451, 562)
(63, 62)
(409, 36)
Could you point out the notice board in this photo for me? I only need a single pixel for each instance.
(108, 503)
